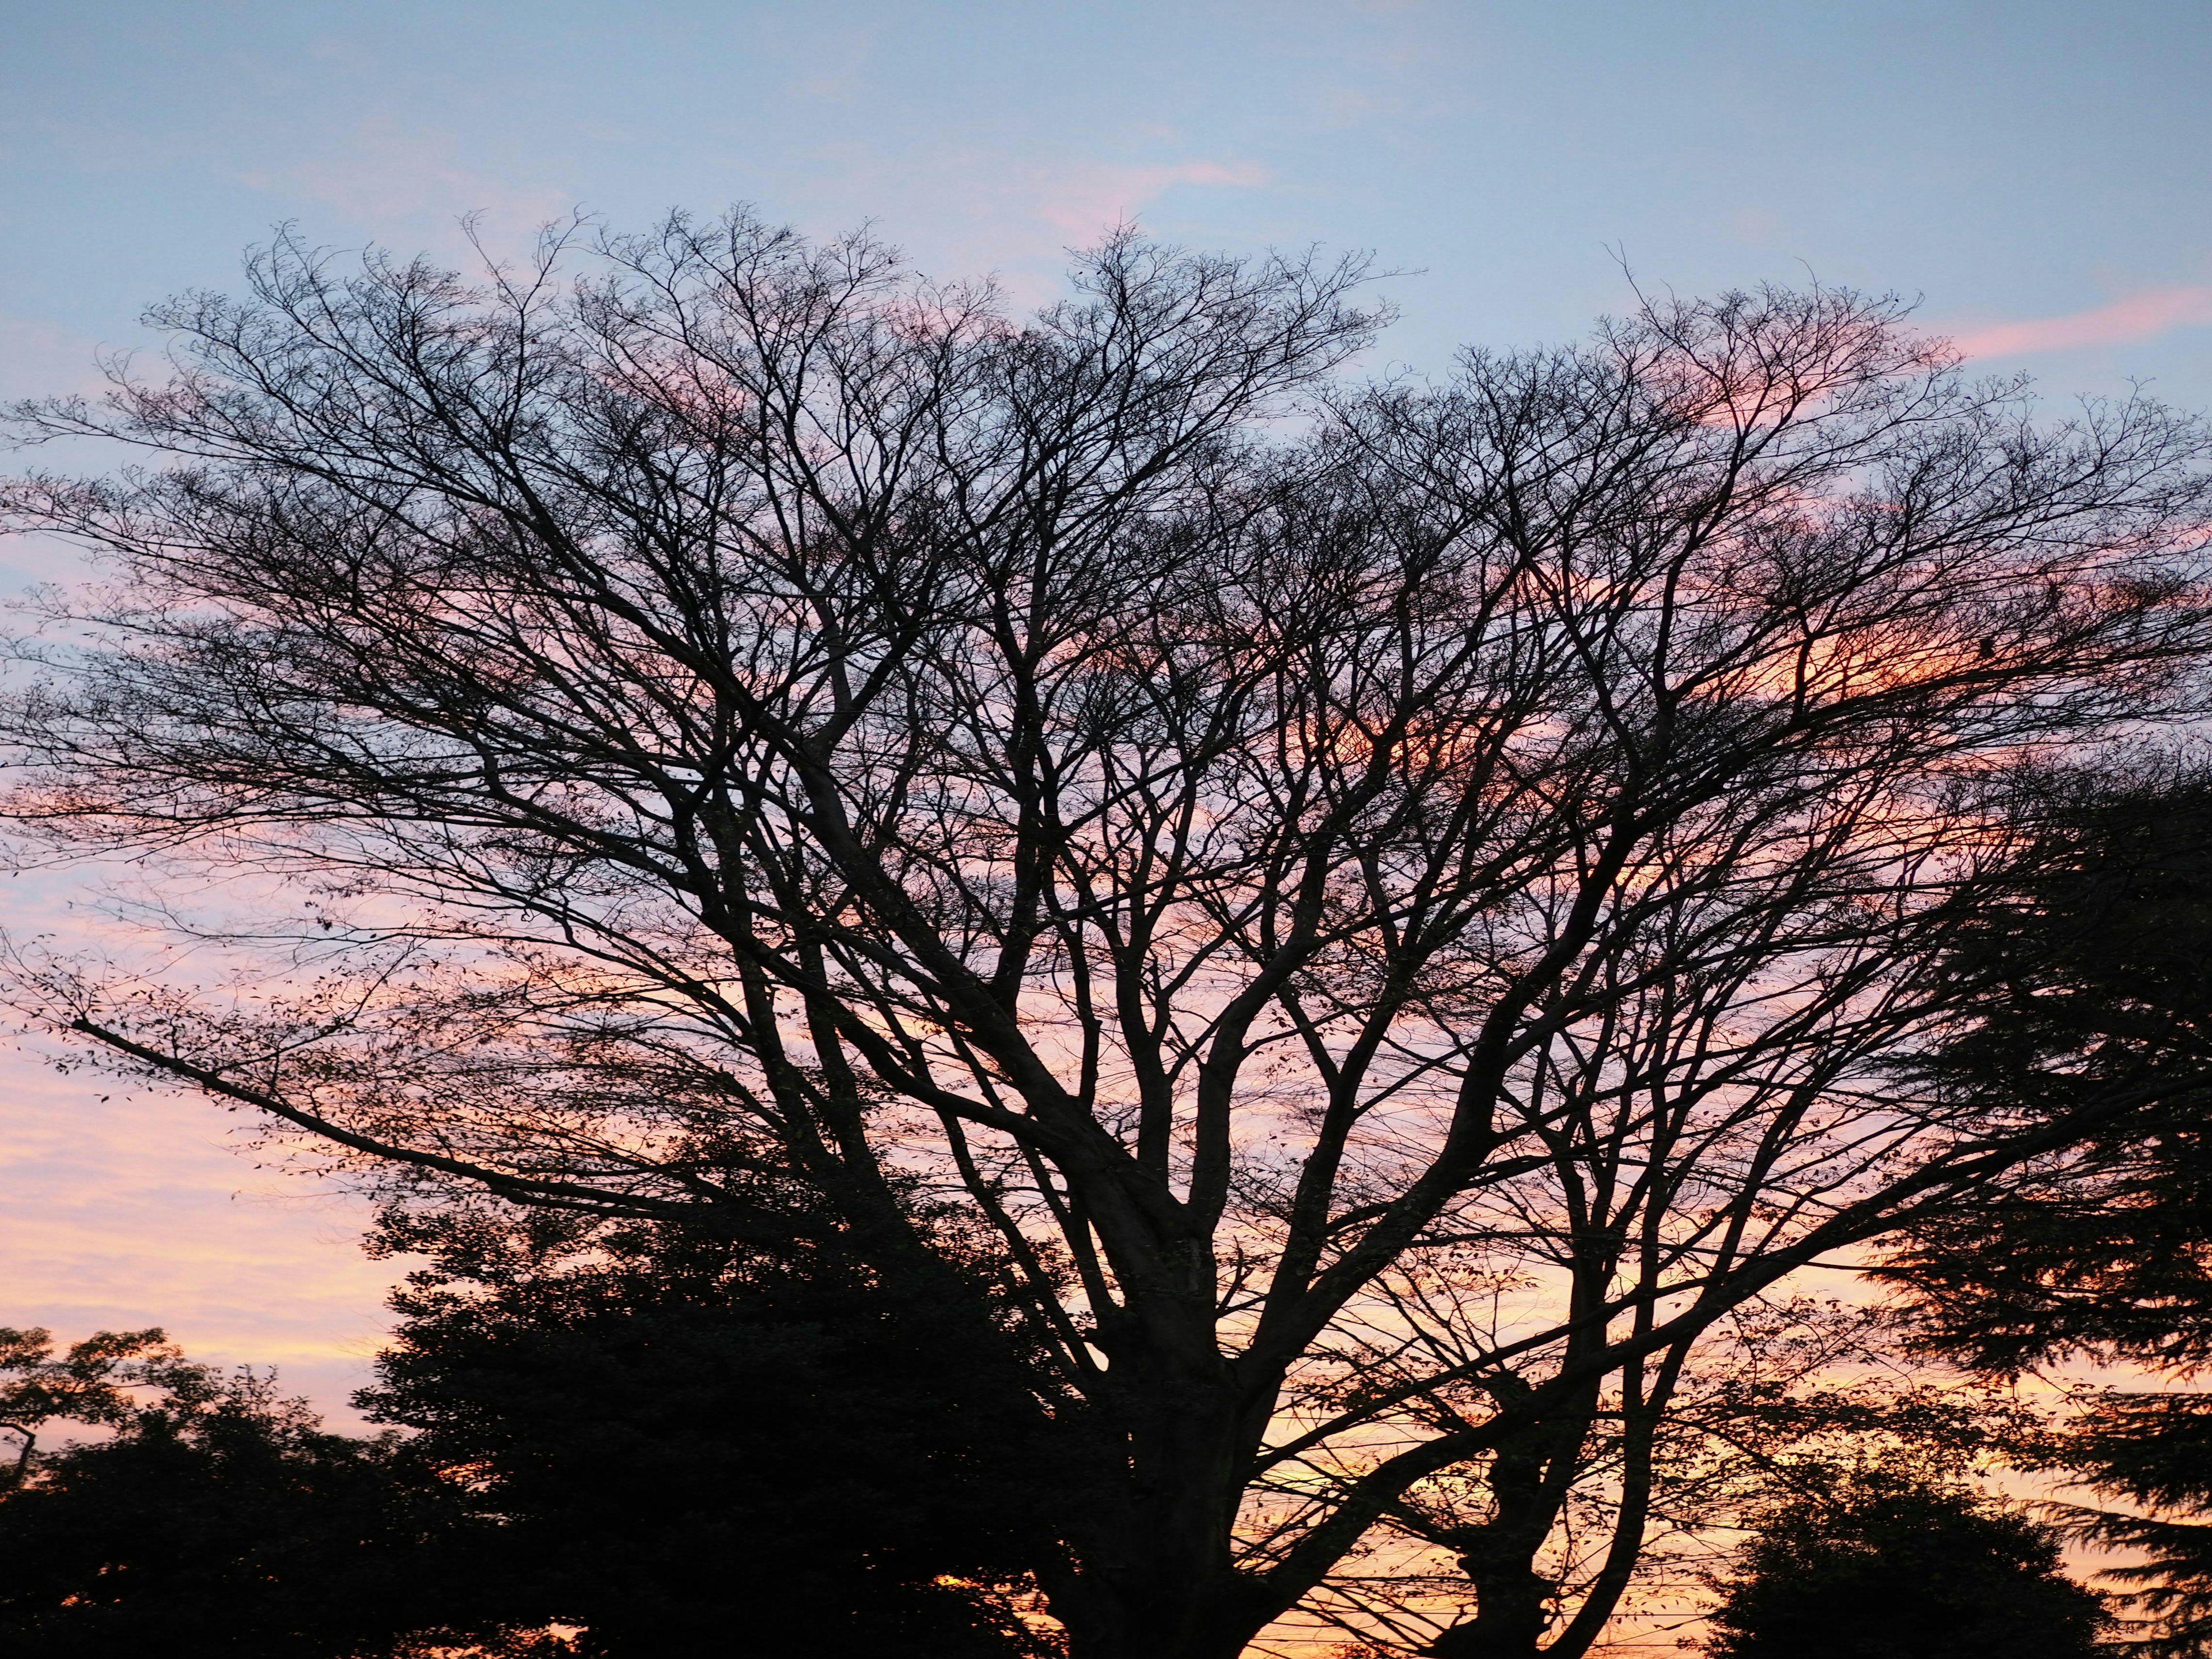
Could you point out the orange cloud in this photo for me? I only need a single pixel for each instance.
(124, 1206)
(2136, 318)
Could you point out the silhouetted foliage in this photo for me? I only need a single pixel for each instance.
(2093, 965)
(2090, 962)
(651, 1434)
(2155, 1451)
(693, 1450)
(219, 1519)
(1882, 1567)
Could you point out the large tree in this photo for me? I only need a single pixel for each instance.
(1391, 900)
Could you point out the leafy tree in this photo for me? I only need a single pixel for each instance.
(695, 1450)
(736, 718)
(218, 1519)
(90, 1383)
(2092, 970)
(653, 1436)
(1885, 1567)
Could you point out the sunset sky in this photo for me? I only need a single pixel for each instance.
(2035, 172)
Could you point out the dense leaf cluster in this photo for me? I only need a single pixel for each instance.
(683, 1442)
(2092, 960)
(668, 1450)
(218, 1518)
(1888, 1568)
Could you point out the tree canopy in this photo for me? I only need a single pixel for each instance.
(1394, 902)
(623, 1443)
(2092, 965)
(681, 1441)
(2091, 974)
(1886, 1567)
(218, 1518)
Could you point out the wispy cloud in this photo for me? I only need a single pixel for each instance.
(974, 211)
(1093, 197)
(40, 357)
(388, 178)
(2138, 316)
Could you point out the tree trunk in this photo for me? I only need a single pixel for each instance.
(1158, 1579)
(1512, 1599)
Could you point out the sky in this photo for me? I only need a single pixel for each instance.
(2032, 173)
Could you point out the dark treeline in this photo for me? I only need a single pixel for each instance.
(1078, 968)
(679, 1447)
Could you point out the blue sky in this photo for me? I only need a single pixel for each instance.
(2035, 171)
(2010, 162)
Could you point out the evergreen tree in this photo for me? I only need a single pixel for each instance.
(2092, 960)
(2155, 1451)
(2089, 961)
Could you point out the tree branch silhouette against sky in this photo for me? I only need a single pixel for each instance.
(1395, 905)
(2030, 172)
(2015, 165)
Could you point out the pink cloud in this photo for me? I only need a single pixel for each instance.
(1095, 196)
(120, 1210)
(41, 358)
(976, 212)
(125, 1206)
(384, 176)
(2136, 318)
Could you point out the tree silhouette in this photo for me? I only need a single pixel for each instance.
(1783, 1398)
(219, 1518)
(1884, 1567)
(712, 717)
(2093, 968)
(684, 1441)
(650, 1436)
